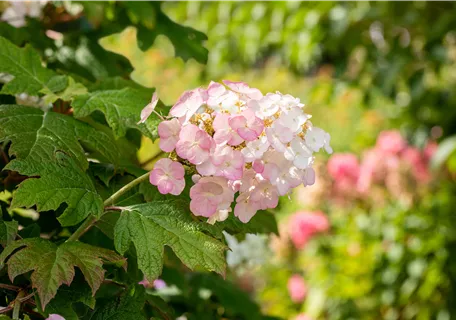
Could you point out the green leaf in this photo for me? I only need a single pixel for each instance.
(48, 145)
(60, 183)
(231, 297)
(103, 171)
(446, 148)
(151, 226)
(63, 88)
(262, 222)
(151, 22)
(126, 307)
(62, 303)
(8, 231)
(122, 109)
(31, 231)
(160, 307)
(53, 265)
(25, 65)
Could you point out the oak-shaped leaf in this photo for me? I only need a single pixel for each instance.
(66, 297)
(25, 65)
(128, 306)
(151, 226)
(121, 107)
(54, 265)
(151, 21)
(48, 145)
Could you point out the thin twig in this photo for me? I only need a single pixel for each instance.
(114, 208)
(112, 199)
(90, 221)
(9, 287)
(114, 282)
(27, 297)
(5, 310)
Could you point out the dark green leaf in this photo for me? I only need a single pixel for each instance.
(54, 265)
(231, 297)
(25, 65)
(48, 145)
(8, 231)
(122, 109)
(126, 307)
(62, 303)
(151, 226)
(188, 42)
(31, 231)
(160, 307)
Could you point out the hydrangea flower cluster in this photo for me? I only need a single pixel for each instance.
(236, 140)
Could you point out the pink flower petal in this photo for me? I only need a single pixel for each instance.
(147, 111)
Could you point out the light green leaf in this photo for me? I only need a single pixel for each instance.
(63, 88)
(446, 148)
(151, 226)
(25, 65)
(122, 109)
(59, 183)
(53, 265)
(48, 145)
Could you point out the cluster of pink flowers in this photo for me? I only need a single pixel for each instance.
(304, 225)
(384, 164)
(236, 140)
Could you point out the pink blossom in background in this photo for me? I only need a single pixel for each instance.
(168, 176)
(54, 316)
(417, 162)
(304, 225)
(344, 169)
(302, 316)
(430, 149)
(391, 142)
(297, 288)
(159, 284)
(370, 164)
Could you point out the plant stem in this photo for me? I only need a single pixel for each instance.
(83, 228)
(124, 189)
(17, 304)
(90, 221)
